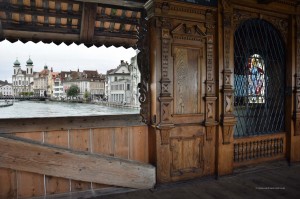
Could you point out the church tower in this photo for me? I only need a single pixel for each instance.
(16, 66)
(29, 67)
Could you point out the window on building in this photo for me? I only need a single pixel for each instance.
(128, 87)
(116, 79)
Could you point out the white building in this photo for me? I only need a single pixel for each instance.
(22, 81)
(135, 76)
(6, 89)
(122, 83)
(58, 88)
(119, 84)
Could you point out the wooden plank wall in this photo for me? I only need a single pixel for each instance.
(129, 142)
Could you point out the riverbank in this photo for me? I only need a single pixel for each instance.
(102, 103)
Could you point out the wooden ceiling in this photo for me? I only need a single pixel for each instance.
(91, 22)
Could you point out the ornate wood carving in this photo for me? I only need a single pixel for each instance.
(281, 24)
(210, 93)
(165, 96)
(143, 64)
(228, 120)
(297, 95)
(187, 155)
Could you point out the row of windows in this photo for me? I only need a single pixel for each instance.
(117, 98)
(19, 83)
(120, 87)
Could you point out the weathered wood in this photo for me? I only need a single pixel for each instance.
(67, 123)
(88, 22)
(65, 163)
(128, 3)
(8, 182)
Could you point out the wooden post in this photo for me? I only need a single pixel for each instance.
(294, 49)
(228, 120)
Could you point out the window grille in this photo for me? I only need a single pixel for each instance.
(259, 79)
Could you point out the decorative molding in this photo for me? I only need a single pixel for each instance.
(189, 32)
(281, 24)
(144, 68)
(165, 98)
(228, 118)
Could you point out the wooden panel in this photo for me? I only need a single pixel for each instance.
(103, 140)
(56, 185)
(186, 80)
(29, 184)
(8, 183)
(187, 155)
(36, 136)
(57, 138)
(75, 165)
(139, 144)
(121, 143)
(80, 140)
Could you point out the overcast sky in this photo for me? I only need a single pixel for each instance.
(60, 58)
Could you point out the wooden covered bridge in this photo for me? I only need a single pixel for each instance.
(220, 90)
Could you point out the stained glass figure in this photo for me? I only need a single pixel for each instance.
(256, 79)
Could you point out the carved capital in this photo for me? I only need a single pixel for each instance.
(227, 130)
(226, 4)
(165, 133)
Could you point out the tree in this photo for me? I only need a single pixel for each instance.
(73, 91)
(86, 95)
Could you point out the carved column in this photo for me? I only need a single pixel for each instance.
(228, 119)
(165, 97)
(143, 64)
(210, 96)
(297, 100)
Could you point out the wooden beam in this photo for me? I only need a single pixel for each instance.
(1, 31)
(266, 1)
(89, 13)
(22, 155)
(129, 4)
(68, 123)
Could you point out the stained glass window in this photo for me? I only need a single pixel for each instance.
(256, 79)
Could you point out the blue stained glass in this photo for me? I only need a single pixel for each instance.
(256, 79)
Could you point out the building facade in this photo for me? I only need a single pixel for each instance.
(6, 89)
(119, 84)
(40, 82)
(22, 80)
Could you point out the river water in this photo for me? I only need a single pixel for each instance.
(34, 109)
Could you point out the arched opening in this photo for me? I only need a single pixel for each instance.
(259, 79)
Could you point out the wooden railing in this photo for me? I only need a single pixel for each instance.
(121, 137)
(256, 149)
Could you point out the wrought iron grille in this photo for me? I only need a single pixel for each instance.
(259, 79)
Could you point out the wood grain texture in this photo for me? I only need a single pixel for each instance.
(8, 183)
(186, 80)
(55, 185)
(30, 184)
(75, 165)
(67, 123)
